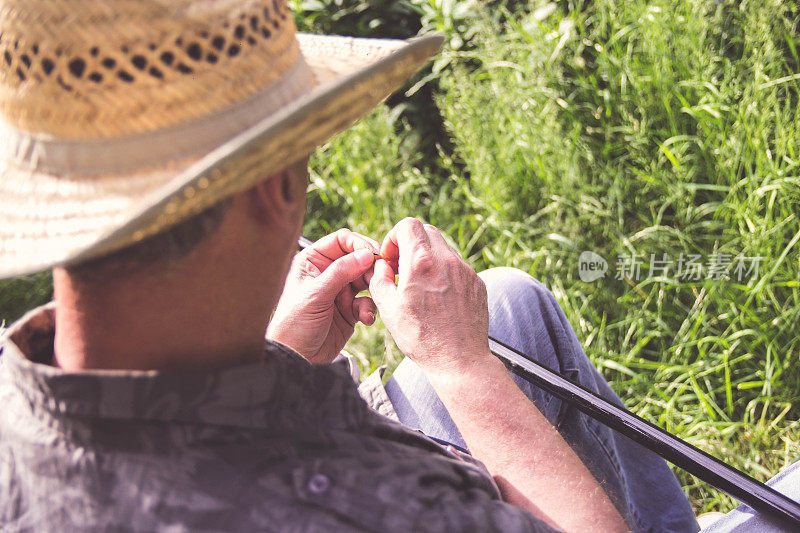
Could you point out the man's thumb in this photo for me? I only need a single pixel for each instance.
(381, 286)
(344, 270)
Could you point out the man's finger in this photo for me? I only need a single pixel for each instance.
(364, 308)
(381, 286)
(410, 237)
(362, 282)
(342, 272)
(338, 244)
(345, 302)
(436, 237)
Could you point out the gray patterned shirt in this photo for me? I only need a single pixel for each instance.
(274, 445)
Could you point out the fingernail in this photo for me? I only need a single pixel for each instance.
(370, 318)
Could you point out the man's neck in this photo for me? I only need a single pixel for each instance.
(155, 325)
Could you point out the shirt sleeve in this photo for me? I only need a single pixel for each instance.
(476, 511)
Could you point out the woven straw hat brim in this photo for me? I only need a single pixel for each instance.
(48, 220)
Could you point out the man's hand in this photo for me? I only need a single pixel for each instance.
(318, 308)
(437, 312)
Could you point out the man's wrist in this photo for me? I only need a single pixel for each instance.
(466, 372)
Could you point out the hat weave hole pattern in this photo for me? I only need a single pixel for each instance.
(108, 72)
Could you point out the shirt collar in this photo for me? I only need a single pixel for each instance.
(280, 390)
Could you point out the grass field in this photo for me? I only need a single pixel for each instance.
(661, 136)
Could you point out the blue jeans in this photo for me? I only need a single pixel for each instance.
(525, 315)
(743, 518)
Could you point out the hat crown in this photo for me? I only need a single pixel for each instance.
(107, 68)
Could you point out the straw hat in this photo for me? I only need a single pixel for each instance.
(119, 118)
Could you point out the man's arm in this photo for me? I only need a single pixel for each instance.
(533, 466)
(438, 315)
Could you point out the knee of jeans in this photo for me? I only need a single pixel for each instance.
(525, 314)
(504, 282)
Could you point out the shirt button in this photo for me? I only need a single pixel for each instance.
(318, 483)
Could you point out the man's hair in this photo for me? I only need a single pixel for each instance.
(158, 250)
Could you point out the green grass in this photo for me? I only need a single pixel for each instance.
(651, 128)
(18, 295)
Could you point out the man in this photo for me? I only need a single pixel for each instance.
(155, 157)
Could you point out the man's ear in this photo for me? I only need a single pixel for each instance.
(282, 196)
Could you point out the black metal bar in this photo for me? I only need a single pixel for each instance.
(706, 467)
